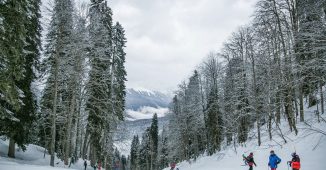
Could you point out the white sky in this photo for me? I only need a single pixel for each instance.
(167, 39)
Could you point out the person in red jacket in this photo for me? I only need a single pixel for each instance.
(295, 162)
(172, 165)
(250, 160)
(99, 165)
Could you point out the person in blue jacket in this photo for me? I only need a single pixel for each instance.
(273, 160)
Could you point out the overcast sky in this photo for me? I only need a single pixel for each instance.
(167, 39)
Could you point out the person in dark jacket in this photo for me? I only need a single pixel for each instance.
(85, 164)
(274, 160)
(295, 162)
(250, 160)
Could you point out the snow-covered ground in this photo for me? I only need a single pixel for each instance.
(32, 159)
(309, 145)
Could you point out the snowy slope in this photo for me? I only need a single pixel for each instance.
(310, 146)
(32, 159)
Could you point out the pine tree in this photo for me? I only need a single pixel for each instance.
(12, 29)
(163, 150)
(154, 142)
(134, 154)
(214, 122)
(99, 86)
(118, 70)
(24, 53)
(57, 66)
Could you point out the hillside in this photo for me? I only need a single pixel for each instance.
(308, 144)
(32, 159)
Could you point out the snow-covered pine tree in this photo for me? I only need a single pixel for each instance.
(144, 151)
(20, 24)
(57, 66)
(154, 143)
(212, 74)
(12, 29)
(99, 104)
(81, 49)
(177, 130)
(134, 154)
(118, 71)
(311, 48)
(163, 150)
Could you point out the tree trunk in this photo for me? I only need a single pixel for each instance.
(270, 126)
(301, 104)
(85, 144)
(312, 100)
(256, 100)
(69, 125)
(296, 108)
(93, 155)
(54, 110)
(321, 97)
(278, 107)
(77, 129)
(11, 150)
(289, 111)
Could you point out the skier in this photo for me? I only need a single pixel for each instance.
(273, 160)
(172, 165)
(99, 165)
(250, 160)
(85, 164)
(95, 166)
(295, 162)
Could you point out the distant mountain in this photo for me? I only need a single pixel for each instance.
(143, 104)
(138, 98)
(128, 129)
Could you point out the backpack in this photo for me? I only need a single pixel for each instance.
(296, 162)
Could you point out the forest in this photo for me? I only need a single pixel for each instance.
(79, 67)
(65, 91)
(266, 71)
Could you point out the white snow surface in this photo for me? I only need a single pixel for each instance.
(32, 159)
(309, 145)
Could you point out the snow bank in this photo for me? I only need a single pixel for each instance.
(32, 159)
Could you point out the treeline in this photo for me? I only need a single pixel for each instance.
(262, 74)
(82, 71)
(148, 151)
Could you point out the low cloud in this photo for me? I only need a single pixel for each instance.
(145, 113)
